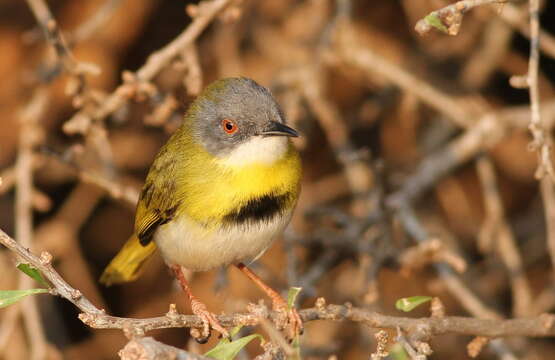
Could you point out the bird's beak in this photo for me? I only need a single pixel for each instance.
(278, 129)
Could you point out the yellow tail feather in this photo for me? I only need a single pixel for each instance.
(128, 262)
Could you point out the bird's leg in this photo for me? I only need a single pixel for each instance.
(199, 309)
(278, 303)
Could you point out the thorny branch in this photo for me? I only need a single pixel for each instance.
(423, 328)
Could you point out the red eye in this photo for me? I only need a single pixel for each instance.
(229, 126)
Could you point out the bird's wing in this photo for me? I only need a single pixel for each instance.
(158, 201)
(157, 205)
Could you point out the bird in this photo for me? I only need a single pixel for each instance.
(218, 193)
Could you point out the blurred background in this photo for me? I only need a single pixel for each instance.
(387, 117)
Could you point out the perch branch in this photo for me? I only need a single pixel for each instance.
(422, 328)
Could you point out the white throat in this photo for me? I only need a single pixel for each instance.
(258, 149)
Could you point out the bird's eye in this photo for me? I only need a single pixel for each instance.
(229, 126)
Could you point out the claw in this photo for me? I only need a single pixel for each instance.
(294, 322)
(209, 320)
(199, 338)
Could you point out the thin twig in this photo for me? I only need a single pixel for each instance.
(29, 135)
(54, 36)
(487, 132)
(412, 353)
(513, 16)
(454, 284)
(542, 139)
(208, 10)
(485, 60)
(115, 189)
(311, 82)
(496, 229)
(449, 18)
(95, 22)
(347, 49)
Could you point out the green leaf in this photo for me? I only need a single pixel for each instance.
(33, 273)
(398, 353)
(409, 303)
(8, 297)
(227, 350)
(433, 20)
(292, 296)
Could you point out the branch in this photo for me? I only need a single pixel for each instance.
(542, 139)
(29, 137)
(487, 132)
(496, 231)
(512, 15)
(95, 22)
(423, 328)
(454, 284)
(54, 36)
(449, 18)
(43, 264)
(349, 50)
(208, 10)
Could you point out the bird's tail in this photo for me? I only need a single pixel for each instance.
(127, 264)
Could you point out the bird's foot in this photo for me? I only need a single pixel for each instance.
(290, 319)
(209, 321)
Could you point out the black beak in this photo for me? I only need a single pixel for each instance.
(278, 129)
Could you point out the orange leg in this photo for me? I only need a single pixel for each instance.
(278, 303)
(199, 309)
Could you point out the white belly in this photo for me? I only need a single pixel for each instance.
(184, 242)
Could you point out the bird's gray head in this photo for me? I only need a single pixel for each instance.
(236, 117)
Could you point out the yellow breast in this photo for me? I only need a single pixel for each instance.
(210, 188)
